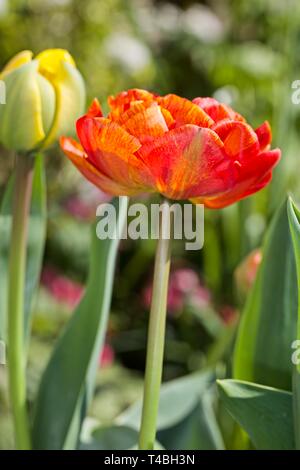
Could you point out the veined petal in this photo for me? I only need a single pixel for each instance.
(188, 161)
(240, 192)
(144, 122)
(122, 101)
(251, 179)
(95, 109)
(170, 121)
(240, 140)
(78, 157)
(264, 135)
(184, 111)
(217, 111)
(111, 149)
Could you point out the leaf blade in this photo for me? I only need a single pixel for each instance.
(265, 413)
(65, 390)
(259, 356)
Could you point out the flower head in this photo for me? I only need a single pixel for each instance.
(44, 97)
(200, 150)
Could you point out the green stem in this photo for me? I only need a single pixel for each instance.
(156, 334)
(17, 266)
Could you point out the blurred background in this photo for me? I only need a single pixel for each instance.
(246, 54)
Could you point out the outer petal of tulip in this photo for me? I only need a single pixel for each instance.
(184, 111)
(240, 140)
(264, 135)
(95, 109)
(251, 178)
(19, 59)
(27, 116)
(76, 154)
(187, 162)
(58, 67)
(111, 149)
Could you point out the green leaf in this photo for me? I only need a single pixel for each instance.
(265, 413)
(185, 417)
(268, 325)
(177, 399)
(112, 438)
(67, 384)
(35, 244)
(198, 430)
(294, 219)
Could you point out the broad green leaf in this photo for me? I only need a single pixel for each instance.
(198, 430)
(265, 413)
(268, 325)
(112, 438)
(67, 384)
(296, 406)
(35, 244)
(185, 418)
(294, 219)
(177, 399)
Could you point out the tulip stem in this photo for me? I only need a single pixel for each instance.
(156, 334)
(17, 266)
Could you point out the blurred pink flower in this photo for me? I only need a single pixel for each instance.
(61, 287)
(107, 356)
(184, 285)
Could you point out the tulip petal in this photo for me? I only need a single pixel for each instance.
(70, 99)
(19, 59)
(240, 140)
(143, 122)
(21, 119)
(95, 109)
(125, 99)
(51, 64)
(250, 180)
(217, 111)
(110, 148)
(187, 162)
(264, 135)
(170, 121)
(74, 151)
(184, 111)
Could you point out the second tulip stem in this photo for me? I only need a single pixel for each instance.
(156, 334)
(17, 266)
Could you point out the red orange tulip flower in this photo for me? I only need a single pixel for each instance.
(200, 150)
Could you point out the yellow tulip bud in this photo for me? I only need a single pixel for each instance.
(44, 97)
